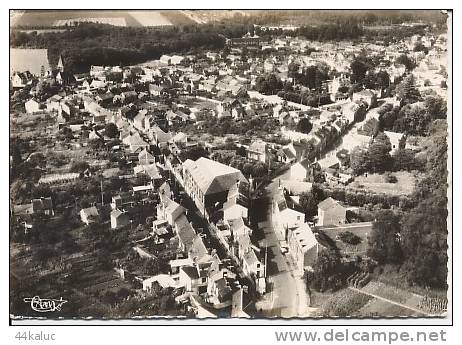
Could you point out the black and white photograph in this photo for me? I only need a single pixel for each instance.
(249, 165)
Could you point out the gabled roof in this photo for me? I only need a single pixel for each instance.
(42, 204)
(328, 203)
(211, 176)
(250, 258)
(258, 146)
(304, 237)
(198, 249)
(185, 231)
(90, 211)
(145, 157)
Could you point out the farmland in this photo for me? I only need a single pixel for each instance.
(46, 19)
(375, 299)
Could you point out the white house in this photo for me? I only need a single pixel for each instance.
(285, 217)
(32, 106)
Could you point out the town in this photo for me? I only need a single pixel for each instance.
(278, 175)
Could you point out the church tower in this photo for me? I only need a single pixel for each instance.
(60, 64)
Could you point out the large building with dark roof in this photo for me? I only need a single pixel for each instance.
(208, 182)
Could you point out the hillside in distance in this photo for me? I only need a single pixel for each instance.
(153, 18)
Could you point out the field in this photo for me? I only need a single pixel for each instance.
(42, 19)
(376, 299)
(376, 183)
(32, 60)
(349, 249)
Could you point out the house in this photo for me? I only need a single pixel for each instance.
(284, 215)
(104, 98)
(164, 280)
(36, 206)
(235, 208)
(304, 247)
(150, 170)
(185, 233)
(367, 96)
(142, 121)
(145, 157)
(179, 138)
(292, 152)
(123, 200)
(252, 266)
(119, 219)
(128, 96)
(258, 151)
(169, 210)
(395, 140)
(160, 137)
(237, 204)
(198, 252)
(194, 277)
(238, 228)
(43, 206)
(89, 215)
(21, 79)
(54, 103)
(64, 78)
(330, 212)
(208, 182)
(156, 90)
(32, 106)
(219, 292)
(135, 143)
(301, 171)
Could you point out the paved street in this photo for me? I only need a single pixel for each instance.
(286, 295)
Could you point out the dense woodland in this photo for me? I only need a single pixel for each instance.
(99, 44)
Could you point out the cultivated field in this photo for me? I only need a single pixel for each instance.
(118, 18)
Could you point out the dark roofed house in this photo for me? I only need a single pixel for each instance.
(208, 182)
(43, 206)
(185, 232)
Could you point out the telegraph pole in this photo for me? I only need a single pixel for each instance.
(102, 194)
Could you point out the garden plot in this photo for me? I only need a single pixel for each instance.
(377, 183)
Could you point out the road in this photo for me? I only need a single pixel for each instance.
(286, 295)
(351, 139)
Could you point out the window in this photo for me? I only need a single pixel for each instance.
(204, 279)
(258, 265)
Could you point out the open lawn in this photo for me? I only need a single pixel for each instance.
(376, 183)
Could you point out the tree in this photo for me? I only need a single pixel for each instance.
(304, 126)
(328, 272)
(376, 158)
(404, 159)
(407, 90)
(111, 130)
(268, 84)
(359, 67)
(241, 151)
(384, 239)
(79, 166)
(309, 201)
(406, 61)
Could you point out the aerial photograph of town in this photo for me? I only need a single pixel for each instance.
(253, 164)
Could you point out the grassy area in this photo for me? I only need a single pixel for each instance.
(377, 183)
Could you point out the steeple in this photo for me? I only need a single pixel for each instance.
(60, 64)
